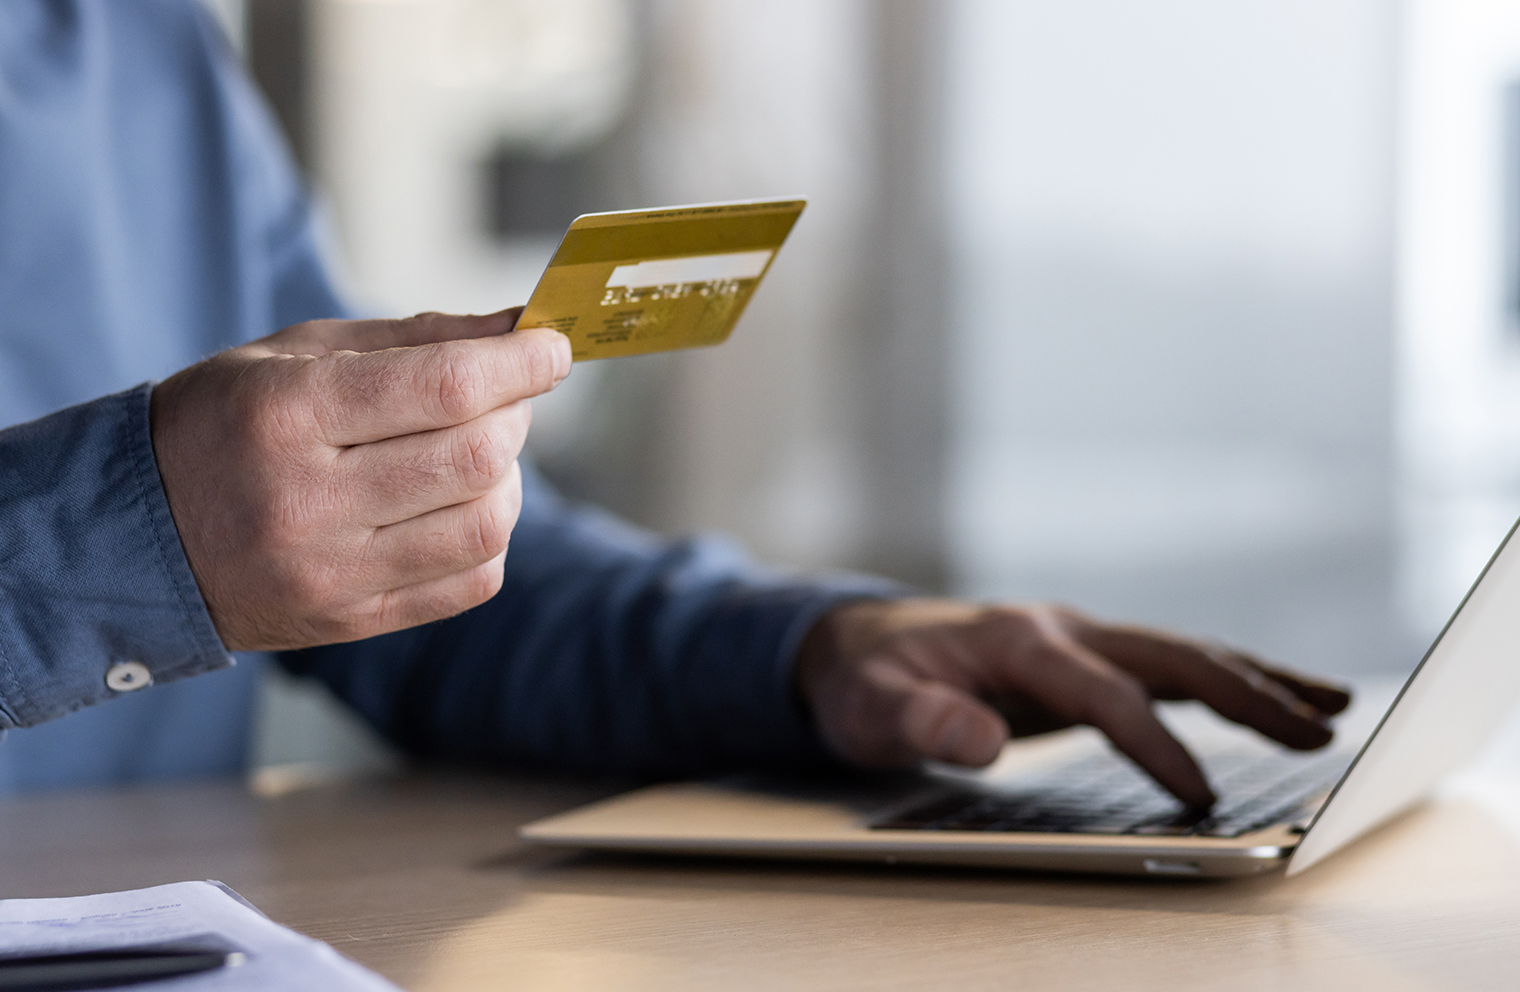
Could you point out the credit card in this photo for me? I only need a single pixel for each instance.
(637, 281)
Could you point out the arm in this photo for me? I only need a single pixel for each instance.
(340, 480)
(606, 649)
(91, 570)
(609, 649)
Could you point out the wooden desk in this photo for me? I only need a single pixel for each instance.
(421, 879)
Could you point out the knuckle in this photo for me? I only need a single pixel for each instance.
(1016, 623)
(1027, 629)
(270, 410)
(1045, 651)
(1116, 696)
(1054, 616)
(1010, 625)
(485, 582)
(481, 457)
(368, 617)
(491, 528)
(477, 586)
(297, 407)
(424, 326)
(534, 365)
(1061, 611)
(461, 386)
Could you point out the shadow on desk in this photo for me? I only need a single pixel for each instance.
(605, 872)
(421, 878)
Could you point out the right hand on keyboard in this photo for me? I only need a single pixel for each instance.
(891, 683)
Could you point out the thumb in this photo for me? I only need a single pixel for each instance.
(319, 337)
(944, 723)
(889, 717)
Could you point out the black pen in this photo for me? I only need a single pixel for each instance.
(107, 969)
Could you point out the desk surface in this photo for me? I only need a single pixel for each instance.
(421, 879)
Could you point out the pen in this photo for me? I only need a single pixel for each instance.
(107, 969)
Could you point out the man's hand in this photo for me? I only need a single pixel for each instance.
(342, 479)
(893, 682)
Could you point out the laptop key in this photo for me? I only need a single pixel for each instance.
(1103, 795)
(1102, 827)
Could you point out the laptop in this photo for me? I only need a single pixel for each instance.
(1068, 803)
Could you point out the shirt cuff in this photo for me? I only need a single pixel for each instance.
(752, 704)
(96, 595)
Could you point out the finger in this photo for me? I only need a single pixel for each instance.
(943, 723)
(1327, 697)
(319, 337)
(403, 477)
(439, 598)
(383, 394)
(447, 541)
(892, 718)
(1078, 685)
(1232, 687)
(1122, 711)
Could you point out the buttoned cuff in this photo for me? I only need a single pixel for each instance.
(96, 595)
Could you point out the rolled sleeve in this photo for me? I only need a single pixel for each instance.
(93, 579)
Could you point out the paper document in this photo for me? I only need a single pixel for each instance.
(188, 915)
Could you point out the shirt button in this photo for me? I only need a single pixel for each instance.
(128, 676)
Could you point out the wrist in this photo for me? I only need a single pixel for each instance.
(845, 631)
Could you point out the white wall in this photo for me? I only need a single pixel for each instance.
(752, 100)
(1172, 226)
(1459, 348)
(410, 97)
(735, 101)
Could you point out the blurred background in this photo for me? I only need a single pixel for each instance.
(1193, 314)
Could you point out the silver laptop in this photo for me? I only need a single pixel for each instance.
(1069, 804)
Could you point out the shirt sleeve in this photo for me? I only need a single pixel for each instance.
(92, 575)
(607, 649)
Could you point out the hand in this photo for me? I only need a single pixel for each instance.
(893, 682)
(342, 479)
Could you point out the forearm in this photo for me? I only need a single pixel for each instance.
(607, 649)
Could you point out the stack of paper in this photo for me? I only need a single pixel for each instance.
(199, 915)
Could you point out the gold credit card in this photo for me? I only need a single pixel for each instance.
(638, 281)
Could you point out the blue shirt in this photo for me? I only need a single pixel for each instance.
(149, 215)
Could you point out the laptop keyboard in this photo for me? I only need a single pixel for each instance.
(1104, 794)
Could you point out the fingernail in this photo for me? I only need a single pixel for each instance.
(563, 358)
(1204, 799)
(952, 734)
